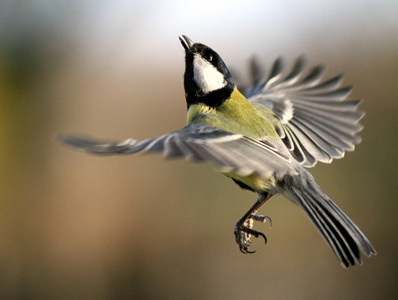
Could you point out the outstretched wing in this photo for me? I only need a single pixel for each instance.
(228, 152)
(318, 122)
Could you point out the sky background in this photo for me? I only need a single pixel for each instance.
(74, 226)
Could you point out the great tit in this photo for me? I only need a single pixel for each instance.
(262, 139)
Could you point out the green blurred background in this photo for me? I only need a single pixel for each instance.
(74, 226)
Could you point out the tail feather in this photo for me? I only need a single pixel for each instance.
(340, 233)
(337, 237)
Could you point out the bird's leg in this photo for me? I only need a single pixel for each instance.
(243, 228)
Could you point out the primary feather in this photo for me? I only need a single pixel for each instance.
(199, 143)
(317, 122)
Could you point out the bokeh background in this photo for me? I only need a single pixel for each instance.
(74, 226)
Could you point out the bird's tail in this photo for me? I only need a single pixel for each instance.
(339, 232)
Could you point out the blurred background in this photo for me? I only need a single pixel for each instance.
(74, 226)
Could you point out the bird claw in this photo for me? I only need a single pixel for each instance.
(261, 219)
(243, 233)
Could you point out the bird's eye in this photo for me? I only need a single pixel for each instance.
(208, 56)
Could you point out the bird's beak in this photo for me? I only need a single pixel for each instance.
(186, 43)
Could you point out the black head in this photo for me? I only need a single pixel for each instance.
(207, 79)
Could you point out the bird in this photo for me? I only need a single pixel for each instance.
(263, 136)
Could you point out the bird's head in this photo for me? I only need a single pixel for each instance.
(207, 79)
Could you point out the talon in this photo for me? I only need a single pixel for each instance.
(242, 237)
(262, 219)
(244, 227)
(255, 233)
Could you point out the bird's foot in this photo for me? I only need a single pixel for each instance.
(243, 232)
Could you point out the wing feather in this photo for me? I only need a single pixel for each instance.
(318, 122)
(199, 143)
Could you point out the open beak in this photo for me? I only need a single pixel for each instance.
(186, 43)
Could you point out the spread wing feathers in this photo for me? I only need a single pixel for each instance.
(197, 143)
(318, 123)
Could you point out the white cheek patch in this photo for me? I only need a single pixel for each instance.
(206, 76)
